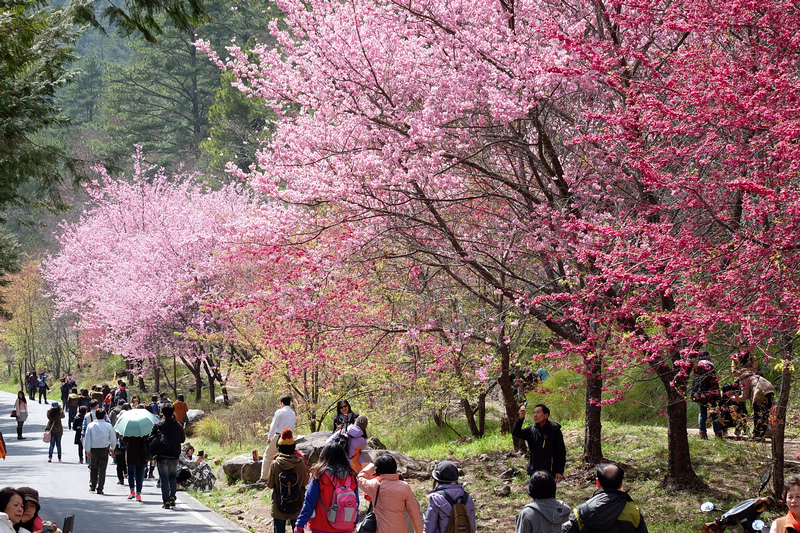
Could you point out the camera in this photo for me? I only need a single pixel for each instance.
(48, 527)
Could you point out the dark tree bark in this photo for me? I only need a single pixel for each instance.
(779, 431)
(592, 436)
(468, 412)
(680, 473)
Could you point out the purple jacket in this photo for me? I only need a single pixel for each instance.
(438, 514)
(356, 440)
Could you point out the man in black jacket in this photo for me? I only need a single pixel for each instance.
(545, 442)
(167, 461)
(609, 510)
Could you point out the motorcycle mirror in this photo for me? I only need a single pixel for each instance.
(758, 525)
(765, 477)
(707, 507)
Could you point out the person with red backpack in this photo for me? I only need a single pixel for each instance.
(450, 507)
(288, 478)
(332, 495)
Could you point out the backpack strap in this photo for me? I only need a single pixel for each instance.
(452, 502)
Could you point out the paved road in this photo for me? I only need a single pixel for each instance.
(64, 487)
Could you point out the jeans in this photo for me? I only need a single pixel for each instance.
(136, 475)
(98, 464)
(55, 441)
(32, 391)
(42, 391)
(168, 474)
(280, 525)
(714, 418)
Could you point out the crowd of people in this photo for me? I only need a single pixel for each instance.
(93, 415)
(326, 497)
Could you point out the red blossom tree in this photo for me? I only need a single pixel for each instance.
(617, 170)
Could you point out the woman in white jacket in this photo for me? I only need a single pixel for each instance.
(13, 507)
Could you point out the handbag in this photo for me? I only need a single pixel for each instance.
(13, 413)
(46, 436)
(369, 524)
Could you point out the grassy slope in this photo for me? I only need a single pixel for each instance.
(730, 468)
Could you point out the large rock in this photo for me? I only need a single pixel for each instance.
(240, 466)
(310, 445)
(405, 463)
(251, 471)
(193, 416)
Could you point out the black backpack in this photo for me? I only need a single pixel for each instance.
(343, 441)
(289, 499)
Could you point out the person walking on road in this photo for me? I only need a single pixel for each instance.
(283, 418)
(21, 412)
(167, 461)
(99, 442)
(56, 429)
(181, 409)
(77, 425)
(545, 442)
(137, 463)
(43, 387)
(30, 383)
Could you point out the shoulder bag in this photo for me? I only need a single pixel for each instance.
(370, 522)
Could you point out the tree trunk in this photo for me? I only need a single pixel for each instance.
(509, 398)
(592, 436)
(779, 430)
(156, 377)
(438, 417)
(680, 474)
(482, 414)
(473, 427)
(212, 393)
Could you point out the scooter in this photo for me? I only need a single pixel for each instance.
(746, 513)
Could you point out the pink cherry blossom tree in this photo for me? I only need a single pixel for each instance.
(137, 266)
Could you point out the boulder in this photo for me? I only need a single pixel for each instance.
(310, 445)
(502, 490)
(405, 463)
(232, 468)
(220, 400)
(193, 416)
(375, 444)
(251, 471)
